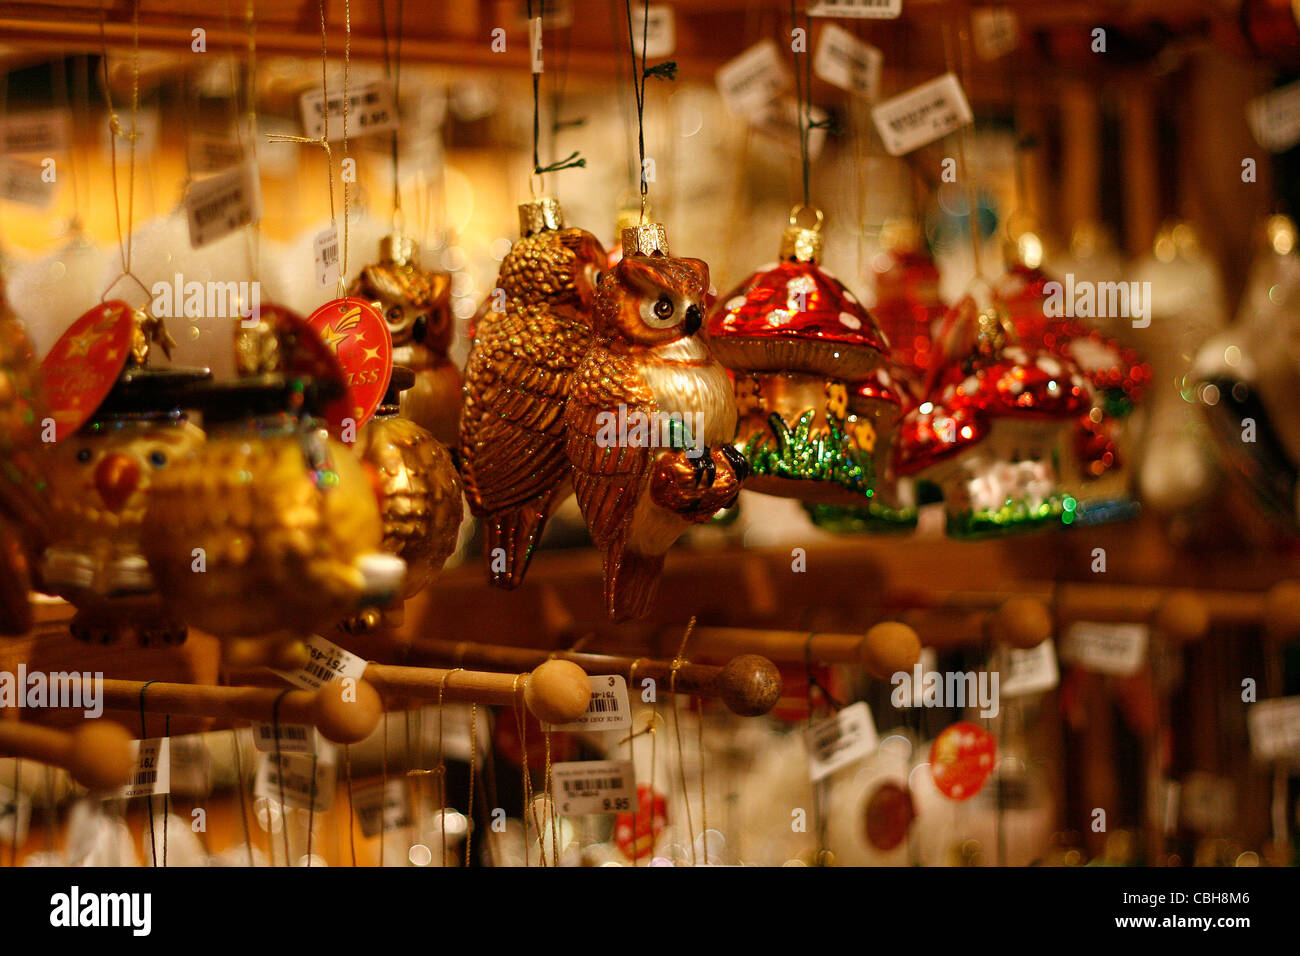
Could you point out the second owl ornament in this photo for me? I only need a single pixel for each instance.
(650, 418)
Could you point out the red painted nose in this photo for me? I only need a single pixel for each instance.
(116, 476)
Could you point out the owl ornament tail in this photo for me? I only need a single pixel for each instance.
(509, 539)
(631, 583)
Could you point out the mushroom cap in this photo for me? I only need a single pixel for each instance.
(931, 433)
(1020, 383)
(794, 316)
(878, 395)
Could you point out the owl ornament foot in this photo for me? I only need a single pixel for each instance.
(530, 336)
(650, 418)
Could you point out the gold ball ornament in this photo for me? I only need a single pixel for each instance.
(890, 647)
(557, 692)
(1021, 622)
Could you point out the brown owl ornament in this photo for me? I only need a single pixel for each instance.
(416, 304)
(650, 419)
(517, 381)
(419, 499)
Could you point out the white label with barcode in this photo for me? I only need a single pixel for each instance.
(382, 807)
(995, 32)
(211, 154)
(1274, 118)
(594, 786)
(1117, 649)
(753, 80)
(857, 9)
(326, 249)
(1029, 671)
(371, 109)
(220, 204)
(609, 708)
(289, 776)
(839, 740)
(151, 773)
(659, 30)
(326, 661)
(845, 61)
(294, 738)
(1274, 727)
(922, 114)
(15, 816)
(43, 131)
(26, 182)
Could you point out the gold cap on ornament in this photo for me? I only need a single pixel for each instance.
(398, 249)
(645, 239)
(540, 215)
(801, 243)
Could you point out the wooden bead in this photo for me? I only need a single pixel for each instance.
(1182, 616)
(557, 692)
(99, 755)
(888, 648)
(1021, 622)
(1282, 610)
(749, 685)
(347, 711)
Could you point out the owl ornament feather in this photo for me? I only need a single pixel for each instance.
(416, 305)
(650, 419)
(517, 383)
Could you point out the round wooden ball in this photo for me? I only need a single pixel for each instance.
(347, 711)
(1182, 616)
(557, 692)
(1022, 622)
(99, 755)
(1282, 610)
(888, 648)
(749, 685)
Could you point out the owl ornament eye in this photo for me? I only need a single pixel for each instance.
(659, 314)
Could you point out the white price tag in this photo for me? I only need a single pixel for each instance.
(291, 775)
(659, 30)
(1274, 727)
(151, 774)
(780, 121)
(144, 128)
(845, 61)
(294, 738)
(326, 252)
(220, 204)
(857, 9)
(326, 662)
(371, 109)
(750, 82)
(922, 114)
(995, 32)
(609, 708)
(211, 154)
(43, 132)
(1274, 118)
(1117, 649)
(25, 182)
(840, 739)
(1029, 671)
(381, 808)
(1209, 802)
(556, 14)
(15, 817)
(594, 786)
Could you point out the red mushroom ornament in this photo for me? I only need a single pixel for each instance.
(907, 305)
(991, 423)
(796, 339)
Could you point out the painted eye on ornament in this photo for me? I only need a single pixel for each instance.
(158, 458)
(84, 455)
(394, 314)
(659, 314)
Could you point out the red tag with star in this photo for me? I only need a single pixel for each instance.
(355, 331)
(961, 760)
(85, 363)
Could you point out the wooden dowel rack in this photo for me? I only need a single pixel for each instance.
(96, 754)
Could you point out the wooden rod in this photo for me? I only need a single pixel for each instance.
(748, 684)
(555, 691)
(97, 754)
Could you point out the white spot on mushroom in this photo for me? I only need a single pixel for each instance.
(851, 321)
(1049, 365)
(778, 317)
(735, 303)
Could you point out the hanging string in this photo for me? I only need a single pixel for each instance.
(279, 772)
(144, 732)
(65, 102)
(347, 72)
(18, 778)
(803, 92)
(393, 71)
(550, 800)
(383, 770)
(469, 809)
(819, 787)
(678, 661)
(972, 196)
(441, 771)
(573, 160)
(704, 802)
(243, 797)
(526, 780)
(664, 71)
(352, 806)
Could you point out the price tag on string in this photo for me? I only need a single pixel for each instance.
(535, 43)
(371, 109)
(220, 204)
(780, 121)
(1274, 118)
(294, 738)
(326, 250)
(326, 662)
(1274, 727)
(751, 81)
(922, 115)
(609, 708)
(657, 27)
(857, 9)
(42, 132)
(594, 786)
(1116, 649)
(382, 807)
(291, 774)
(211, 154)
(15, 816)
(842, 738)
(994, 31)
(151, 773)
(30, 184)
(1029, 671)
(845, 61)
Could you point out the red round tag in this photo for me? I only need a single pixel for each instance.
(355, 331)
(888, 815)
(961, 760)
(85, 363)
(309, 356)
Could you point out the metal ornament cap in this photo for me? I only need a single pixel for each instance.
(645, 239)
(540, 215)
(802, 243)
(398, 249)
